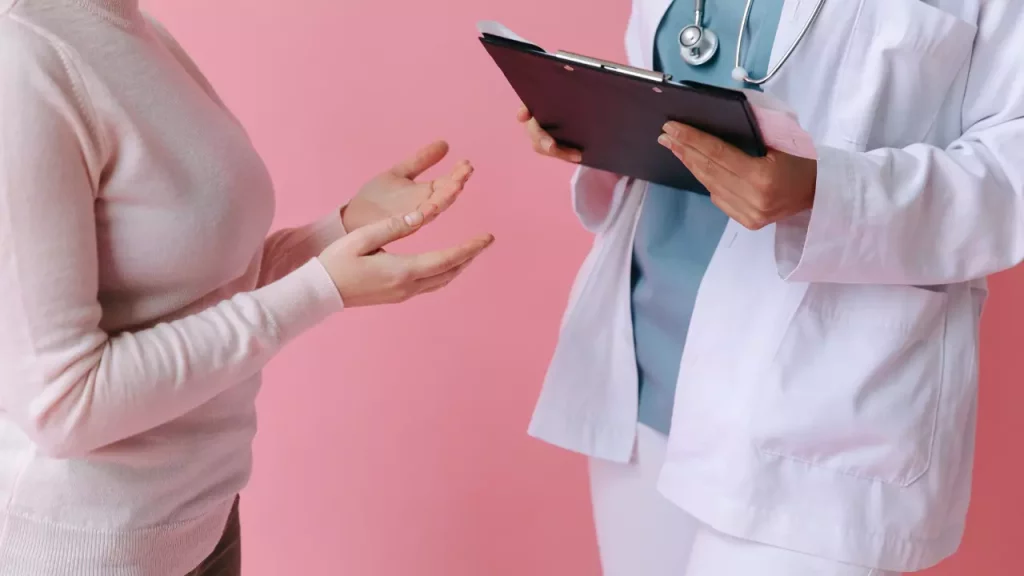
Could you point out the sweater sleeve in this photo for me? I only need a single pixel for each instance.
(69, 385)
(287, 249)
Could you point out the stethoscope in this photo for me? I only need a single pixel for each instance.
(698, 45)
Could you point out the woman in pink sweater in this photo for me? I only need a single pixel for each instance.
(140, 295)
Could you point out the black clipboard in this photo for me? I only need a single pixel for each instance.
(615, 113)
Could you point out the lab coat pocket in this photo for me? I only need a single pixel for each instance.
(855, 383)
(898, 73)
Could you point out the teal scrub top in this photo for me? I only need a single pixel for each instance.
(678, 230)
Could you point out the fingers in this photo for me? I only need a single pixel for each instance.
(435, 283)
(434, 263)
(372, 237)
(723, 185)
(524, 114)
(423, 160)
(442, 195)
(703, 167)
(543, 143)
(443, 192)
(462, 171)
(722, 153)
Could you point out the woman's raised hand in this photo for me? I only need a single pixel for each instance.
(366, 275)
(396, 192)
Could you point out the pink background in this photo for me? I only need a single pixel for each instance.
(392, 441)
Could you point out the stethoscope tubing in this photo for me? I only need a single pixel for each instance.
(740, 74)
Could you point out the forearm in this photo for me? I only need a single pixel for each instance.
(287, 249)
(79, 390)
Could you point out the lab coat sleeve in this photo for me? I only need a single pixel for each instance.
(596, 196)
(922, 215)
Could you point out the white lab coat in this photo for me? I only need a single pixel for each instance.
(827, 393)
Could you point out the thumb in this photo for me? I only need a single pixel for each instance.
(426, 158)
(373, 237)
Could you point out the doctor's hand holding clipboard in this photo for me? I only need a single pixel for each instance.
(753, 191)
(777, 375)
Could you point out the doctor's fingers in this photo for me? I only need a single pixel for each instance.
(705, 168)
(728, 191)
(544, 144)
(721, 152)
(423, 266)
(524, 114)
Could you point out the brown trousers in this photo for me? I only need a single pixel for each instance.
(226, 559)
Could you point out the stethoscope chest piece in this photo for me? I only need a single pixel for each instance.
(697, 44)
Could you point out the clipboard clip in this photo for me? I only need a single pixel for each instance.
(613, 67)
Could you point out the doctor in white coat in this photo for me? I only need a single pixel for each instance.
(824, 408)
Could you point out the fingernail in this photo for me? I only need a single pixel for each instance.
(547, 144)
(671, 128)
(577, 157)
(414, 218)
(665, 141)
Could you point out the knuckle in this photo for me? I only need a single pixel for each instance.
(762, 203)
(717, 201)
(708, 166)
(400, 278)
(396, 225)
(763, 180)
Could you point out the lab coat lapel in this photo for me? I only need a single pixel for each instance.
(794, 14)
(654, 11)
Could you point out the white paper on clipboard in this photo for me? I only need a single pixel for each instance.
(498, 29)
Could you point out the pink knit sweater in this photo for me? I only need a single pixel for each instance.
(139, 294)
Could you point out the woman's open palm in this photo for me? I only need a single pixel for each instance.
(396, 191)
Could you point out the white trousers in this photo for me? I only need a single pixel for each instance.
(640, 533)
